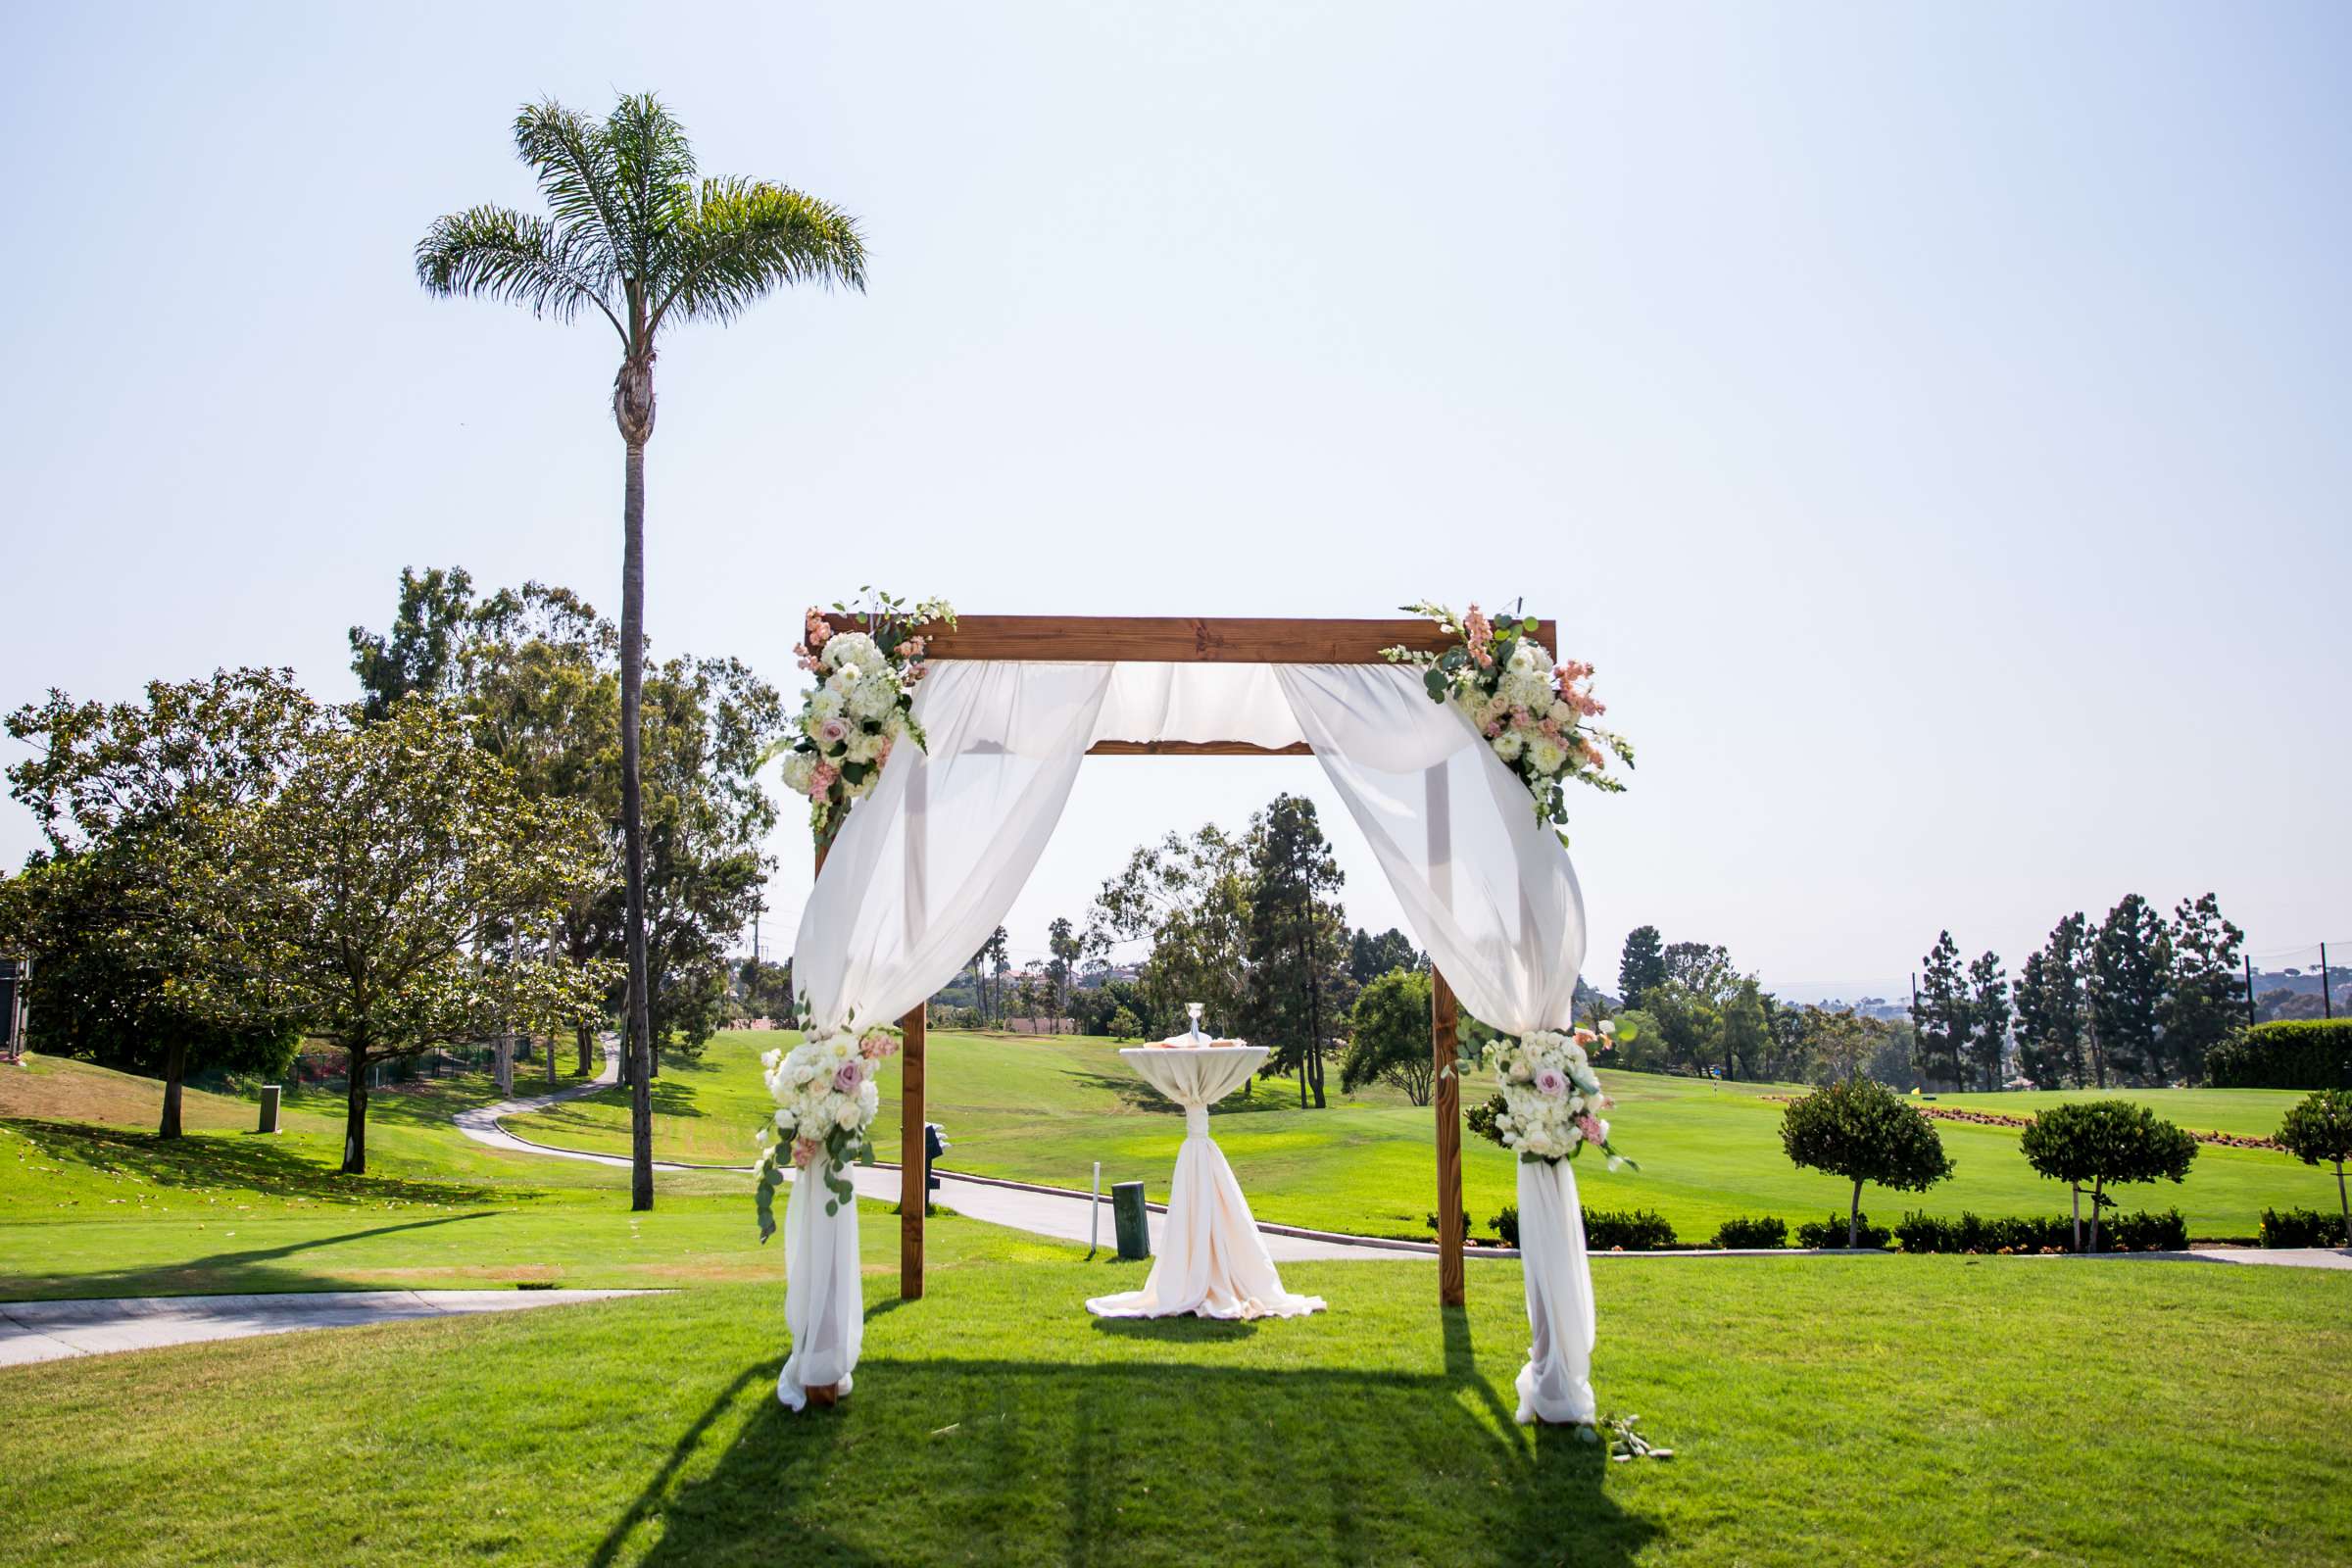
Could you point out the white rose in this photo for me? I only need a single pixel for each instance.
(784, 1118)
(846, 1118)
(1508, 746)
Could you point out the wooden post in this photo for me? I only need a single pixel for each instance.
(915, 1192)
(1444, 1022)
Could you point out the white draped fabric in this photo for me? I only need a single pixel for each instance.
(919, 875)
(1488, 889)
(1212, 1261)
(929, 864)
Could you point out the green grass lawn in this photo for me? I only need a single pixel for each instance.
(1822, 1411)
(1044, 1109)
(97, 1206)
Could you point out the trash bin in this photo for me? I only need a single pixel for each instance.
(934, 1145)
(270, 1108)
(1135, 1229)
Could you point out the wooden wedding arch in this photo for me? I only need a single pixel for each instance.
(1184, 640)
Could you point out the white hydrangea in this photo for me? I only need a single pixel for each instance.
(825, 703)
(853, 649)
(872, 698)
(799, 768)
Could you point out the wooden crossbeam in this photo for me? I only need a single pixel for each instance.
(1196, 749)
(1180, 639)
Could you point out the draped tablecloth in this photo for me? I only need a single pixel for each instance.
(1212, 1263)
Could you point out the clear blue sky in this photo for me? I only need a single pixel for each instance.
(1933, 422)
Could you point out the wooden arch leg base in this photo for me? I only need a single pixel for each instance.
(828, 1397)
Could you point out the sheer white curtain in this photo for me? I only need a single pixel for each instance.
(921, 873)
(1489, 891)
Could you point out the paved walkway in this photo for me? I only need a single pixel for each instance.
(50, 1331)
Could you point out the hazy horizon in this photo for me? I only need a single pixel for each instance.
(1931, 422)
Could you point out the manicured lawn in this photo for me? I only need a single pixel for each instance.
(1822, 1411)
(107, 1211)
(1044, 1109)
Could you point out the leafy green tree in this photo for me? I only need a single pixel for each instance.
(2319, 1127)
(1188, 898)
(419, 654)
(1640, 964)
(1124, 1025)
(2205, 1000)
(766, 990)
(1370, 956)
(1689, 1023)
(1745, 1032)
(2106, 1143)
(1987, 1018)
(2053, 1007)
(108, 911)
(1939, 1018)
(1387, 1037)
(1863, 1131)
(394, 895)
(2131, 961)
(632, 236)
(1297, 953)
(1837, 1044)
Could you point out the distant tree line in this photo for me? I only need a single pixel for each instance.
(1695, 1013)
(2134, 1000)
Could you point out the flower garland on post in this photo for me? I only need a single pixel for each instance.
(862, 705)
(825, 1101)
(1550, 1099)
(1537, 716)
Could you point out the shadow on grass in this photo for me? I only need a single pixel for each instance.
(239, 1273)
(205, 1159)
(1187, 1330)
(1015, 1462)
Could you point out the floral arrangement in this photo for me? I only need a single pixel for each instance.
(1537, 716)
(861, 706)
(1550, 1101)
(825, 1100)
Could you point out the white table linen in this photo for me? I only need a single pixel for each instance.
(1212, 1263)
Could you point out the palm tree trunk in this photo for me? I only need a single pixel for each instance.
(632, 824)
(176, 1071)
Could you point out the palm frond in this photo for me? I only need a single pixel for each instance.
(575, 162)
(552, 269)
(653, 178)
(747, 238)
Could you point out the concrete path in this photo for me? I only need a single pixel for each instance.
(49, 1331)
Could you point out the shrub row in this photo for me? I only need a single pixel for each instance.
(2167, 1231)
(2302, 1227)
(1636, 1230)
(1830, 1232)
(2285, 1054)
(1769, 1231)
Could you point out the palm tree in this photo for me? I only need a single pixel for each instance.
(632, 235)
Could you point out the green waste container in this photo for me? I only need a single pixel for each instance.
(1135, 1230)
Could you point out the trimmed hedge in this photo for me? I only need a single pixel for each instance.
(1770, 1231)
(2285, 1054)
(2302, 1227)
(1830, 1232)
(1636, 1231)
(2166, 1232)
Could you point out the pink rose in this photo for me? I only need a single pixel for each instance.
(1589, 1128)
(1552, 1081)
(851, 1073)
(833, 731)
